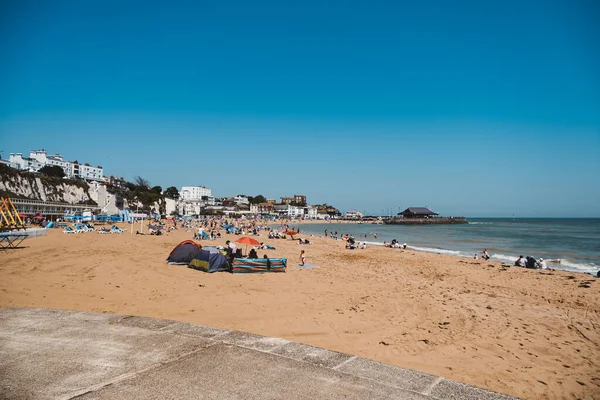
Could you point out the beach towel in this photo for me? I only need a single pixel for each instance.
(307, 266)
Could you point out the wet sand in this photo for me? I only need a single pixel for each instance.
(523, 332)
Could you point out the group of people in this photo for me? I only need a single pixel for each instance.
(532, 263)
(395, 244)
(351, 243)
(525, 262)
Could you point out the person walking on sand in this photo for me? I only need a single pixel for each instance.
(302, 257)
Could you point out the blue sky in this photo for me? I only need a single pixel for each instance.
(471, 108)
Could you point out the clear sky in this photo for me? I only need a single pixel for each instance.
(476, 108)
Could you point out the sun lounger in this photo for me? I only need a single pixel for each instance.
(71, 230)
(248, 265)
(11, 240)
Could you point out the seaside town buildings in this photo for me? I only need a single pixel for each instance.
(40, 158)
(108, 193)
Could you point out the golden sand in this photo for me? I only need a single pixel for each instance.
(523, 332)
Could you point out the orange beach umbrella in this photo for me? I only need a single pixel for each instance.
(248, 240)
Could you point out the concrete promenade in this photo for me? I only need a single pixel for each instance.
(52, 354)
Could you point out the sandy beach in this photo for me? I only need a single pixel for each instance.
(529, 333)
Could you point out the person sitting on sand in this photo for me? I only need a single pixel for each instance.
(475, 257)
(520, 262)
(252, 254)
(485, 255)
(530, 262)
(542, 265)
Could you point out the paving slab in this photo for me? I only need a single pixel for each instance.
(399, 377)
(252, 341)
(56, 357)
(452, 390)
(231, 372)
(52, 354)
(142, 322)
(313, 355)
(183, 328)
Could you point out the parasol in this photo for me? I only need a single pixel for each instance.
(291, 232)
(248, 241)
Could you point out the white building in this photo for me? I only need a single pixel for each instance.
(192, 207)
(39, 158)
(288, 210)
(25, 163)
(86, 171)
(310, 212)
(10, 164)
(241, 200)
(354, 214)
(194, 192)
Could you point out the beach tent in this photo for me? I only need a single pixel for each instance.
(184, 252)
(208, 261)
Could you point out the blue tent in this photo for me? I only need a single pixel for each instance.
(209, 262)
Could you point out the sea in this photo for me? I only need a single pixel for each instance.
(571, 244)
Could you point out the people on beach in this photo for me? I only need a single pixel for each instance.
(302, 257)
(475, 257)
(542, 265)
(252, 254)
(232, 247)
(530, 262)
(485, 255)
(520, 262)
(350, 243)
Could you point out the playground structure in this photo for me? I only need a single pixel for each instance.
(9, 216)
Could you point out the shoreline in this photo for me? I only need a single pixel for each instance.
(502, 328)
(563, 264)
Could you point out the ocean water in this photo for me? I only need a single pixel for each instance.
(568, 244)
